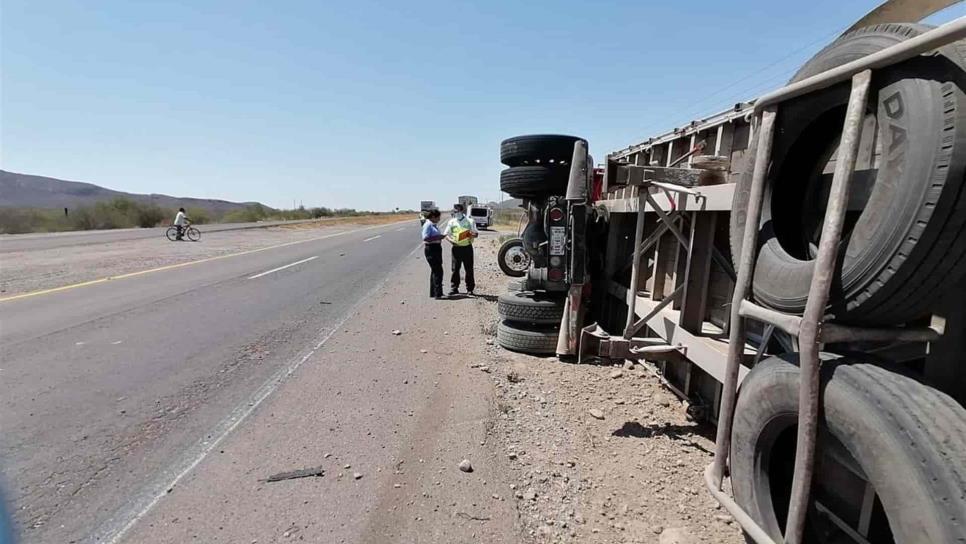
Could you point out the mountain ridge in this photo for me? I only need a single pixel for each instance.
(34, 191)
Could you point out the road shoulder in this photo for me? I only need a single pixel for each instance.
(388, 418)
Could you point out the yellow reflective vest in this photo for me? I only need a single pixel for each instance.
(460, 231)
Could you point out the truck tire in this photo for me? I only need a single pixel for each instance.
(513, 258)
(527, 307)
(906, 440)
(538, 149)
(906, 237)
(527, 338)
(534, 181)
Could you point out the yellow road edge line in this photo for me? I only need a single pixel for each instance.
(181, 265)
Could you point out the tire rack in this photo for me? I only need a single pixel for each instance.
(810, 329)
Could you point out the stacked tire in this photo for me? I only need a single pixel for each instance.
(904, 245)
(539, 165)
(529, 321)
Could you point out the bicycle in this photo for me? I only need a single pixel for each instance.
(190, 232)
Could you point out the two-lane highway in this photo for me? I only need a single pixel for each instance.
(109, 389)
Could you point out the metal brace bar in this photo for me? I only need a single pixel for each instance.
(718, 257)
(744, 520)
(927, 41)
(676, 188)
(637, 325)
(736, 333)
(664, 217)
(635, 264)
(822, 276)
(652, 239)
(786, 322)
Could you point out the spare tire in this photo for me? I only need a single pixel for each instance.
(538, 340)
(905, 236)
(878, 428)
(538, 149)
(528, 307)
(534, 181)
(513, 258)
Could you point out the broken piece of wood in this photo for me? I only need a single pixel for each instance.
(303, 473)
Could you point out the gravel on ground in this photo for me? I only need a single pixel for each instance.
(598, 454)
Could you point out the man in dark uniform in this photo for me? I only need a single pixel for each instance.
(432, 240)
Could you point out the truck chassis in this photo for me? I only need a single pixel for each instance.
(685, 307)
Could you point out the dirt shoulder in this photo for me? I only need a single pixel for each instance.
(388, 417)
(630, 472)
(32, 270)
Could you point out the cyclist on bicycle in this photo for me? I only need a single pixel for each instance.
(181, 221)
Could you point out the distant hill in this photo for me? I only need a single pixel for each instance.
(509, 203)
(27, 191)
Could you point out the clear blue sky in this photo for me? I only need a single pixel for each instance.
(369, 104)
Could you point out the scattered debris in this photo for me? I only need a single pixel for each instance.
(617, 374)
(291, 475)
(356, 475)
(464, 515)
(396, 332)
(465, 465)
(595, 413)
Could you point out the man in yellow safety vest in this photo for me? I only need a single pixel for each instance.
(460, 231)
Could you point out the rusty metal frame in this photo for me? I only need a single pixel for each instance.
(810, 329)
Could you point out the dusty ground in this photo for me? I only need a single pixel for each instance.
(25, 271)
(634, 474)
(389, 417)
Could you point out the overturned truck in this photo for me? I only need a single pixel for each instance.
(795, 267)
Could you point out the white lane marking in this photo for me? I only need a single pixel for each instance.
(267, 272)
(373, 238)
(189, 263)
(116, 343)
(114, 530)
(400, 229)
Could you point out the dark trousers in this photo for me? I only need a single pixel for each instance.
(180, 231)
(463, 255)
(434, 256)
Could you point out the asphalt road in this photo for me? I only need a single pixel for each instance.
(49, 240)
(104, 387)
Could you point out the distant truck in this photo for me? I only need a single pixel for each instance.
(425, 206)
(467, 201)
(481, 215)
